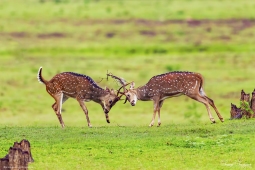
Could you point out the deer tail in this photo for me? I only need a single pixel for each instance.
(39, 76)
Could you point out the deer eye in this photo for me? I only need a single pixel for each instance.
(128, 95)
(110, 101)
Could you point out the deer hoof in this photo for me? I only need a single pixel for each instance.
(159, 124)
(150, 125)
(222, 120)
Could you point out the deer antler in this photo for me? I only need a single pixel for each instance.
(119, 80)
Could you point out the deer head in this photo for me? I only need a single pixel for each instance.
(131, 93)
(109, 100)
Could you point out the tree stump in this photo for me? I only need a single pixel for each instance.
(245, 105)
(18, 157)
(246, 109)
(235, 112)
(252, 103)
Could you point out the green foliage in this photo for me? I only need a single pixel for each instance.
(172, 68)
(244, 105)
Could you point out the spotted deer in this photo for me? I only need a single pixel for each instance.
(81, 87)
(168, 85)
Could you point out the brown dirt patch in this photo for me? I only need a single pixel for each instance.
(189, 30)
(110, 34)
(51, 35)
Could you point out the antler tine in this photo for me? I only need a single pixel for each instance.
(123, 88)
(120, 80)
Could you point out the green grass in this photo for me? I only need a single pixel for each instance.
(226, 145)
(134, 40)
(95, 28)
(159, 10)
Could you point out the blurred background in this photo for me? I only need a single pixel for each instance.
(135, 40)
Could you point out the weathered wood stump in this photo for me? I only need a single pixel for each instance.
(18, 157)
(245, 105)
(252, 103)
(246, 109)
(235, 112)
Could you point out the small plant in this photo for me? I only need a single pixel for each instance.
(245, 108)
(172, 67)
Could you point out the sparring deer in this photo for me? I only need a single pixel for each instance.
(168, 85)
(81, 87)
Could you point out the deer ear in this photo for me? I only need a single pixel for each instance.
(112, 91)
(132, 85)
(107, 89)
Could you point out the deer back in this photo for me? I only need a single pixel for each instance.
(173, 83)
(74, 84)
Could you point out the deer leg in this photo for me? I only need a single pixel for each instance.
(210, 101)
(205, 102)
(107, 118)
(156, 106)
(85, 110)
(160, 105)
(57, 107)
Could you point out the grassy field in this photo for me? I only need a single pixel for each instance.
(192, 146)
(134, 40)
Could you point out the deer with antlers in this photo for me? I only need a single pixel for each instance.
(81, 87)
(168, 85)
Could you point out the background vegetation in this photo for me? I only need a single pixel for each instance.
(135, 40)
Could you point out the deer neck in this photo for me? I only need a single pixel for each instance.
(98, 95)
(142, 93)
